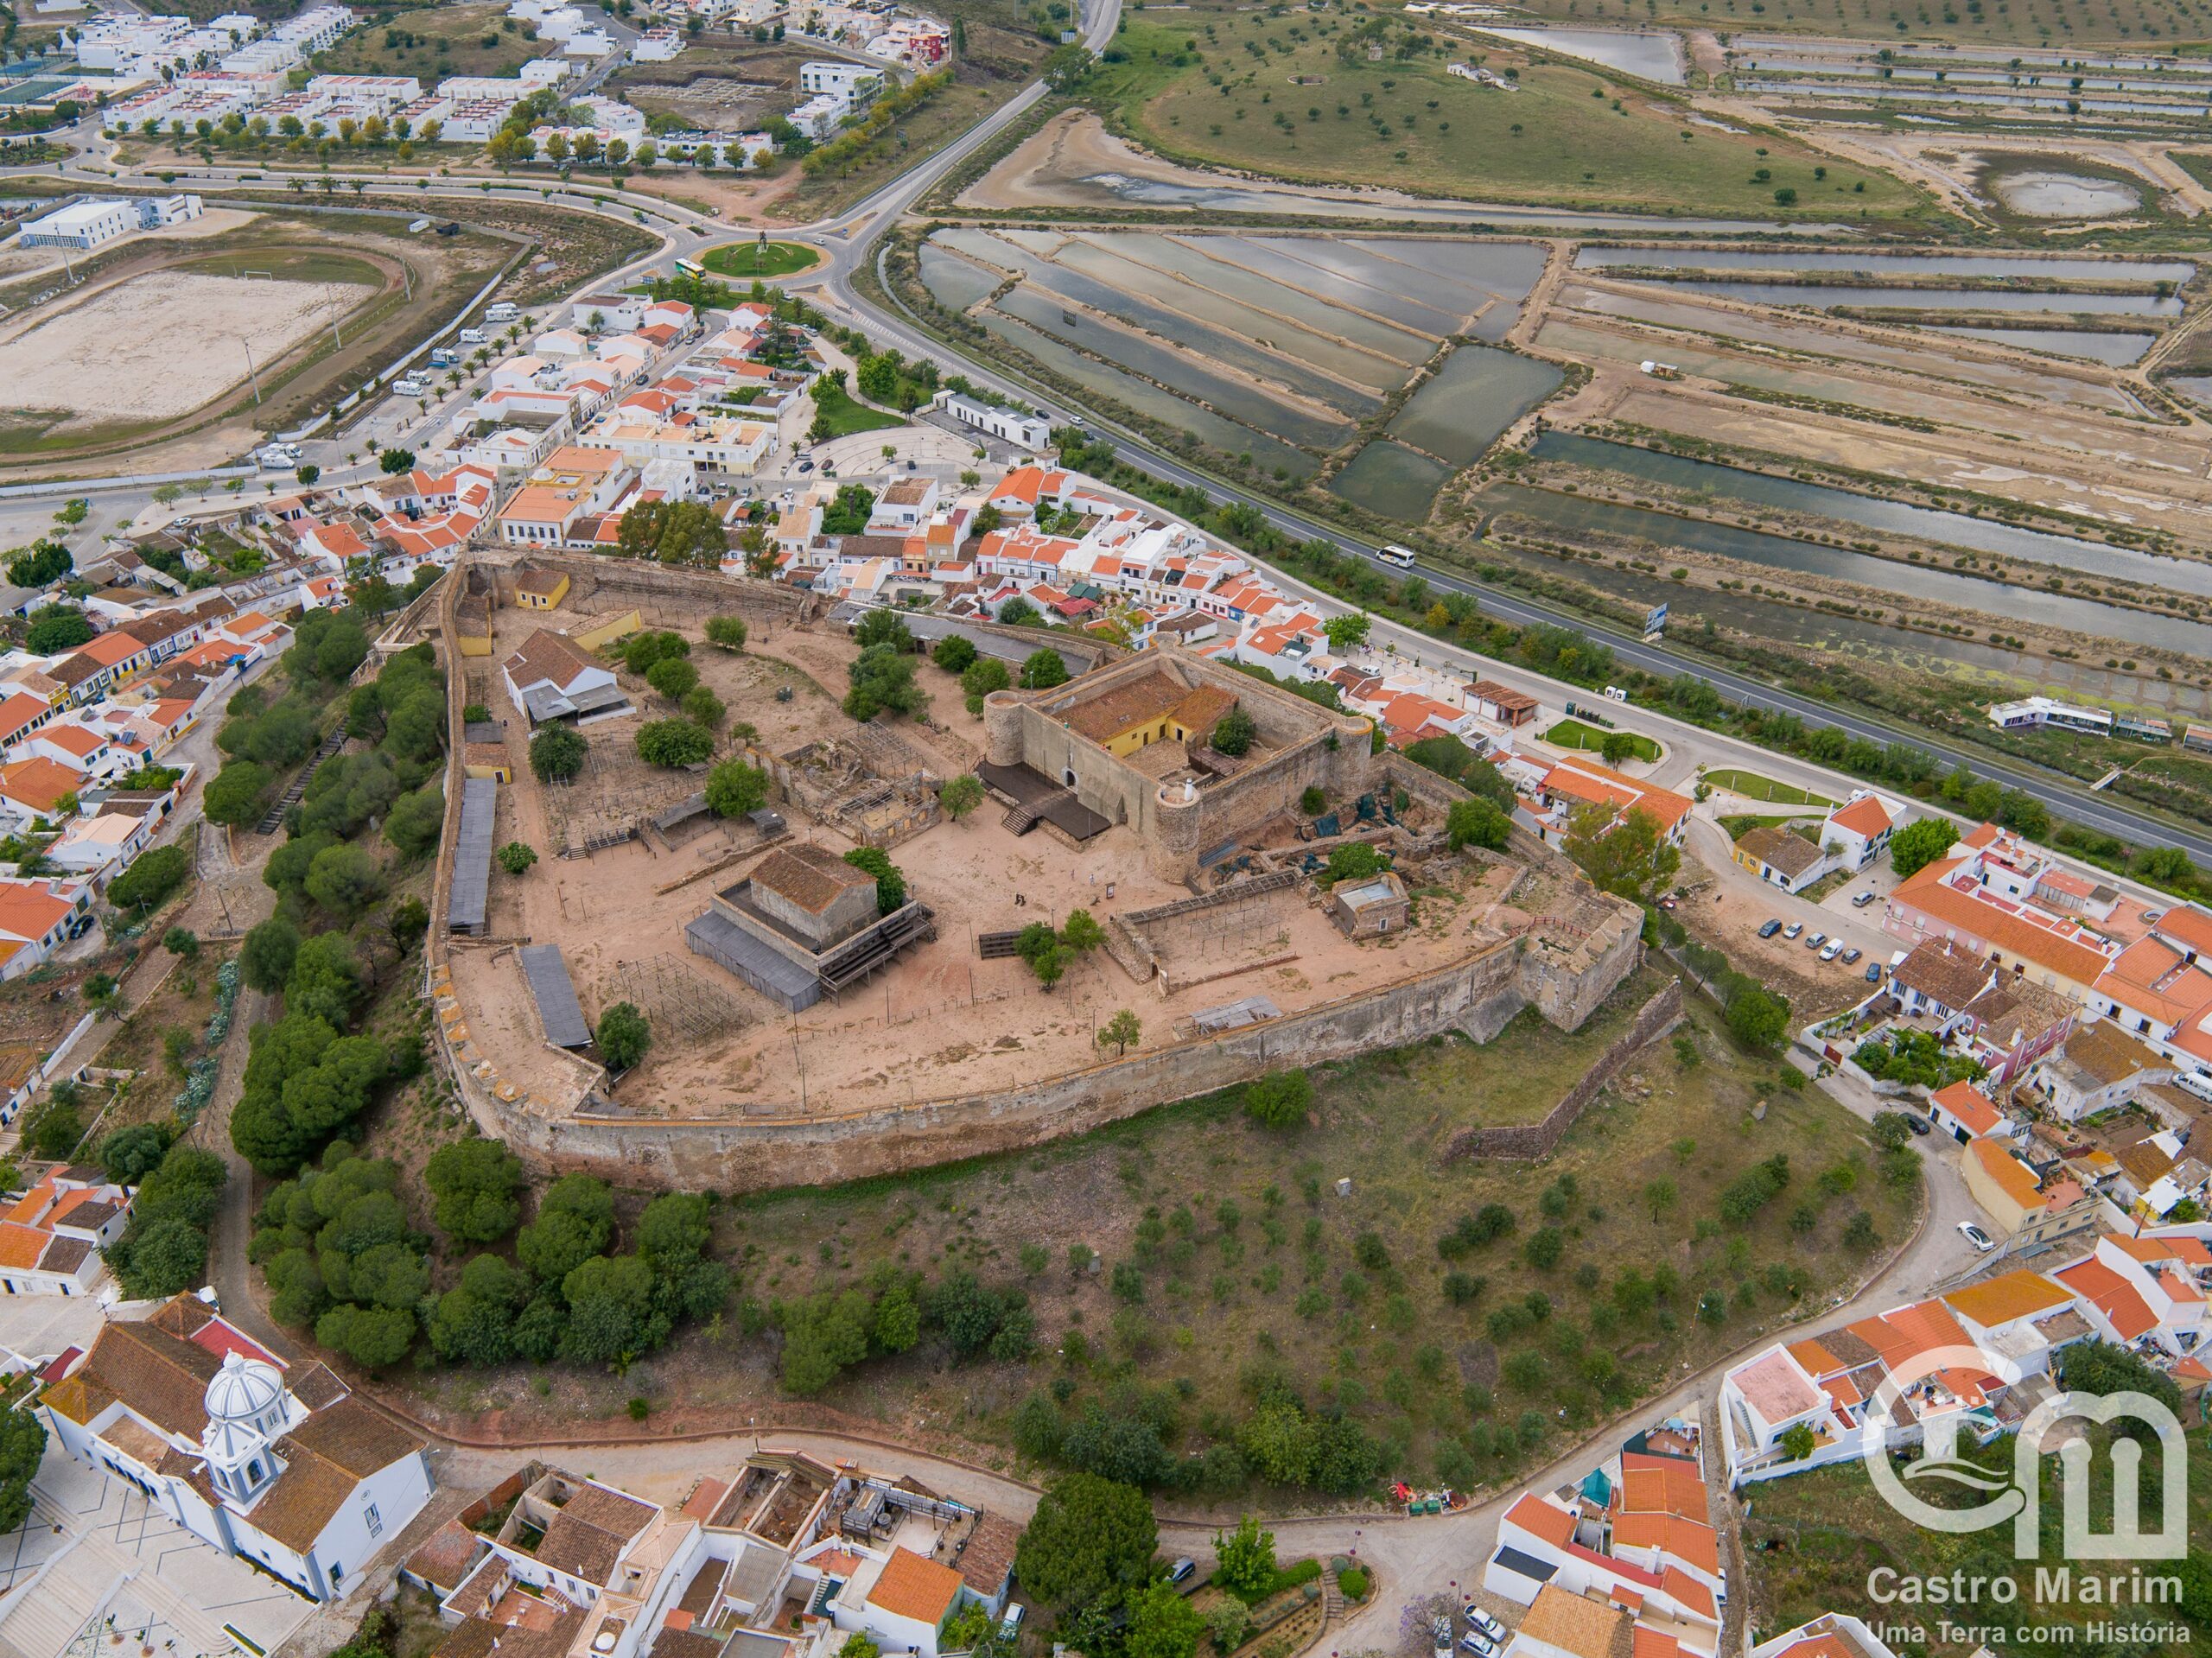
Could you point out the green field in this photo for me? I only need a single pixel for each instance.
(1297, 97)
(435, 42)
(744, 260)
(1574, 733)
(836, 415)
(1739, 824)
(1752, 787)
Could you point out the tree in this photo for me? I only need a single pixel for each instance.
(1121, 1030)
(181, 942)
(576, 1220)
(960, 795)
(1162, 1624)
(474, 1184)
(1626, 854)
(954, 653)
(672, 677)
(1042, 669)
(409, 920)
(883, 678)
(1089, 1543)
(1758, 1017)
(1346, 634)
(847, 515)
(1916, 846)
(727, 632)
(131, 1154)
(372, 1337)
(890, 884)
(326, 982)
(674, 743)
(1476, 823)
(556, 754)
(623, 1036)
(266, 958)
(613, 1319)
(58, 628)
(1797, 1441)
(147, 885)
(516, 858)
(1245, 1560)
(1279, 1100)
(417, 819)
(23, 1445)
(307, 475)
(344, 880)
(1892, 1130)
(735, 788)
(392, 462)
(1616, 746)
(882, 626)
(1067, 66)
(1659, 1195)
(1234, 733)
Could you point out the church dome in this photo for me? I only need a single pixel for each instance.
(243, 1389)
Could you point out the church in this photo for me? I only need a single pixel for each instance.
(288, 1470)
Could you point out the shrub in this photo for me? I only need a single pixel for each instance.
(147, 885)
(623, 1036)
(1279, 1100)
(674, 743)
(727, 632)
(516, 858)
(556, 754)
(1235, 733)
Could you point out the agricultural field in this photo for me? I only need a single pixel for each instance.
(436, 42)
(1301, 98)
(1998, 22)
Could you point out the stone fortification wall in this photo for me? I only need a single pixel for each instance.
(1534, 1140)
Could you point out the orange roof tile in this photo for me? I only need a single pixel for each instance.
(1541, 1519)
(2000, 1300)
(1685, 1540)
(38, 783)
(1864, 816)
(2013, 1178)
(2130, 1314)
(910, 1586)
(1969, 1105)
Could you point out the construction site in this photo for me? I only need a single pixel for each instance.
(783, 996)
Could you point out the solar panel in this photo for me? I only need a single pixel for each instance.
(558, 1011)
(471, 858)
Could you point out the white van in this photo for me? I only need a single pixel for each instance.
(472, 336)
(2196, 1083)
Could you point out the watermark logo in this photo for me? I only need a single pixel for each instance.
(1943, 1393)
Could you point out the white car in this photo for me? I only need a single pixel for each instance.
(1976, 1237)
(1833, 949)
(1483, 1620)
(1479, 1644)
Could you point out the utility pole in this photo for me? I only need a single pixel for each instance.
(252, 373)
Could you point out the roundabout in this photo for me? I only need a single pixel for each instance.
(744, 260)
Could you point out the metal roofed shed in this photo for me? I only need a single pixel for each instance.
(472, 861)
(792, 987)
(1235, 1015)
(555, 993)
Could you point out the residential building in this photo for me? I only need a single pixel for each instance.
(550, 678)
(1576, 782)
(53, 1238)
(37, 915)
(2097, 1068)
(1938, 981)
(1859, 831)
(1781, 857)
(854, 83)
(1963, 1111)
(287, 1470)
(573, 483)
(2015, 1198)
(1832, 1635)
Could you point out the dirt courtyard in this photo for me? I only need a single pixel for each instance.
(161, 345)
(941, 1021)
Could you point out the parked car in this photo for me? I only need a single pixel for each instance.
(1770, 930)
(1440, 1637)
(1479, 1644)
(1793, 929)
(1851, 956)
(1181, 1569)
(1815, 940)
(1920, 1124)
(1483, 1620)
(1873, 973)
(1980, 1240)
(1010, 1625)
(804, 465)
(1833, 949)
(1863, 899)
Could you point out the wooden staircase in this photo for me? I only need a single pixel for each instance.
(1023, 818)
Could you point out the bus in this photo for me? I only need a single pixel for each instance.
(691, 267)
(1393, 554)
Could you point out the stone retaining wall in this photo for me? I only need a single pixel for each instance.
(1528, 1140)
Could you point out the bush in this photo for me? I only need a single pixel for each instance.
(1353, 1582)
(147, 885)
(1042, 669)
(890, 884)
(623, 1036)
(674, 743)
(954, 653)
(1279, 1100)
(516, 858)
(735, 788)
(727, 632)
(1751, 1190)
(556, 754)
(1235, 733)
